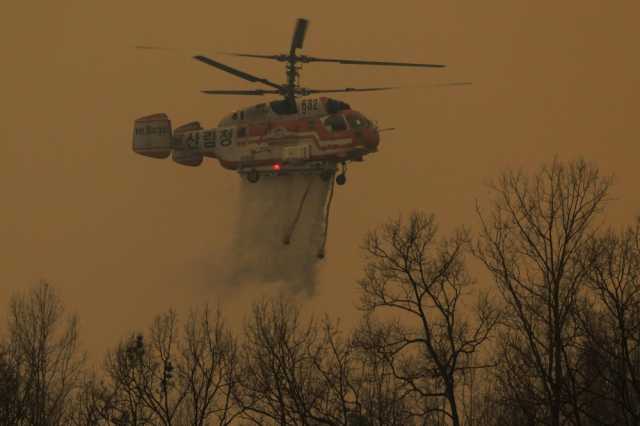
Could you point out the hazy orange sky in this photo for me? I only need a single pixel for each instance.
(125, 237)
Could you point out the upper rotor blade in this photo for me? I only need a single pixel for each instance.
(359, 62)
(253, 55)
(348, 89)
(236, 72)
(298, 35)
(240, 92)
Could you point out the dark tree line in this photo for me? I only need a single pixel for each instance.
(553, 338)
(40, 361)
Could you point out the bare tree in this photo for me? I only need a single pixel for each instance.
(383, 398)
(300, 372)
(610, 319)
(142, 375)
(96, 405)
(10, 404)
(531, 242)
(172, 377)
(41, 358)
(281, 383)
(424, 279)
(208, 366)
(334, 358)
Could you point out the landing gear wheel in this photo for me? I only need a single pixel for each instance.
(341, 179)
(253, 176)
(325, 176)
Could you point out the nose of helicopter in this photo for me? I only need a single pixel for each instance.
(366, 131)
(372, 139)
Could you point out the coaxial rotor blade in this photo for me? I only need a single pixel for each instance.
(189, 52)
(236, 72)
(281, 58)
(372, 89)
(359, 62)
(347, 89)
(241, 92)
(298, 35)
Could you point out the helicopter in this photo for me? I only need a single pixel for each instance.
(296, 134)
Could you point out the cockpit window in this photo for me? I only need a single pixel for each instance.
(335, 123)
(357, 122)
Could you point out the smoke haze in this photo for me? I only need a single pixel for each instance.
(125, 237)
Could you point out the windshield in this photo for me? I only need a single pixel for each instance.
(335, 123)
(357, 121)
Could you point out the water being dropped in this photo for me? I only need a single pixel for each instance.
(267, 211)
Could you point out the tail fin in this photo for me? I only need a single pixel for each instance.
(152, 136)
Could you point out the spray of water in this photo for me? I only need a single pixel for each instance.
(270, 212)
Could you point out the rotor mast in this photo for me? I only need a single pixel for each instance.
(293, 74)
(293, 79)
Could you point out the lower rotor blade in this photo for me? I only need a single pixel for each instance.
(373, 89)
(348, 89)
(236, 72)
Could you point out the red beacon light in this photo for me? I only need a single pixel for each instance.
(276, 167)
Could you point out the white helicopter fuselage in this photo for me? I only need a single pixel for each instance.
(265, 138)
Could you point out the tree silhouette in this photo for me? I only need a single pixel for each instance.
(172, 376)
(411, 273)
(531, 241)
(40, 363)
(610, 320)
